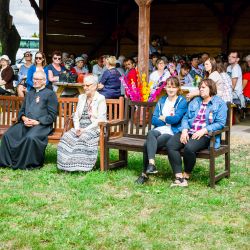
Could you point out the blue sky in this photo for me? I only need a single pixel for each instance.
(24, 17)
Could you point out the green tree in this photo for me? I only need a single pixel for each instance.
(35, 35)
(9, 36)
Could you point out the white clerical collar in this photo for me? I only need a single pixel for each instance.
(38, 90)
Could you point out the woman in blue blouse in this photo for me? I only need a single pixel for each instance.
(206, 113)
(167, 117)
(110, 83)
(39, 65)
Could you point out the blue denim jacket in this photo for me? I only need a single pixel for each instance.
(216, 115)
(180, 107)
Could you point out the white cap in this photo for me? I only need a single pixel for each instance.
(6, 58)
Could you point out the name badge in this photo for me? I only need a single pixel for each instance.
(37, 99)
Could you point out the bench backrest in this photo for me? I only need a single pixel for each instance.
(9, 108)
(138, 116)
(66, 107)
(10, 105)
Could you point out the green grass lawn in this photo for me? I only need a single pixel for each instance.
(50, 209)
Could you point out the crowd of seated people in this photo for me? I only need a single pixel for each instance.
(180, 122)
(230, 74)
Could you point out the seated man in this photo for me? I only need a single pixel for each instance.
(23, 145)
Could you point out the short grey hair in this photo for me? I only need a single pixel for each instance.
(247, 59)
(40, 73)
(93, 79)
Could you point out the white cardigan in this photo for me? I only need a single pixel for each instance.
(99, 111)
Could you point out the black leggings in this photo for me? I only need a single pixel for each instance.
(174, 146)
(155, 141)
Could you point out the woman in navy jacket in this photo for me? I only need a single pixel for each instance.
(167, 117)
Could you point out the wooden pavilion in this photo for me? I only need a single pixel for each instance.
(117, 27)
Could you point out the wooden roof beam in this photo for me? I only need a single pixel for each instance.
(36, 8)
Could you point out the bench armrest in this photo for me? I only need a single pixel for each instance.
(111, 123)
(213, 134)
(218, 132)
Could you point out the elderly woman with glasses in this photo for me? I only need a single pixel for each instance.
(55, 68)
(39, 65)
(78, 148)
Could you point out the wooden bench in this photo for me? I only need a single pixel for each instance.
(10, 105)
(133, 136)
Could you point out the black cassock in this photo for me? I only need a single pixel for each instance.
(24, 147)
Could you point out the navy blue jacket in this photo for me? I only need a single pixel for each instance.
(112, 83)
(180, 108)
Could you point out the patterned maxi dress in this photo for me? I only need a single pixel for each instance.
(78, 153)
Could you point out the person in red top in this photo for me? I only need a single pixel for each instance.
(246, 79)
(130, 70)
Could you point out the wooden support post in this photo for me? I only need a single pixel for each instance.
(143, 34)
(42, 25)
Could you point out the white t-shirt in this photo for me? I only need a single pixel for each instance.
(216, 77)
(154, 77)
(235, 71)
(167, 110)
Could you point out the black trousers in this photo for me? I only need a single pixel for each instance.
(155, 141)
(174, 146)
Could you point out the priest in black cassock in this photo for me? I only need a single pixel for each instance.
(23, 145)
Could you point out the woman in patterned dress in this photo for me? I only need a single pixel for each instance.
(78, 148)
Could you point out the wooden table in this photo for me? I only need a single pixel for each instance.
(63, 85)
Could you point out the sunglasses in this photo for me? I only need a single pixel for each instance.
(38, 58)
(57, 58)
(26, 55)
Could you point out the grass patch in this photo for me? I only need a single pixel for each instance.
(51, 209)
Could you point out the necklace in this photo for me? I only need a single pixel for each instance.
(89, 106)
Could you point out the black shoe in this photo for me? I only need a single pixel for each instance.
(151, 169)
(142, 179)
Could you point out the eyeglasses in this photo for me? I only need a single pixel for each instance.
(38, 79)
(26, 55)
(38, 58)
(57, 58)
(87, 85)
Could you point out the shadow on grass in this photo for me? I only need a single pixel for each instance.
(200, 173)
